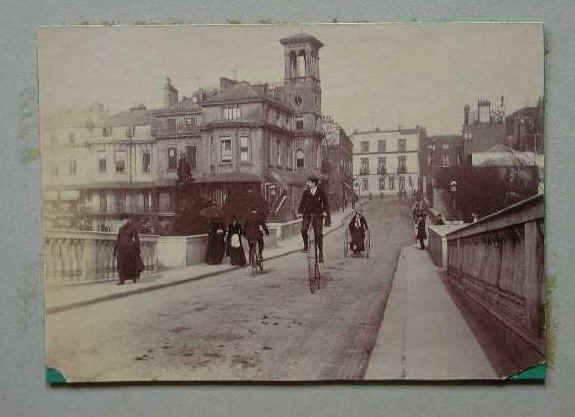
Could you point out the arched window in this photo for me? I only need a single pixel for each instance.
(299, 158)
(301, 64)
(293, 63)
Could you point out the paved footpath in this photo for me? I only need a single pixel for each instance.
(423, 336)
(73, 296)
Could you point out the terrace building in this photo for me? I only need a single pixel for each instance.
(388, 161)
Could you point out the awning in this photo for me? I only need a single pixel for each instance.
(232, 177)
(284, 177)
(101, 186)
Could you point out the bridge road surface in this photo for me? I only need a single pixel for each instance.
(237, 327)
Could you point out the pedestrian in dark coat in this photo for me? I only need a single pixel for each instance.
(357, 229)
(216, 242)
(127, 252)
(421, 233)
(234, 243)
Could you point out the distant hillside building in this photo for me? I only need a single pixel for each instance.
(387, 161)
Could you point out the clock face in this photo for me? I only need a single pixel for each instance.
(297, 100)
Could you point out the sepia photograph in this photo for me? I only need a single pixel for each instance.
(293, 202)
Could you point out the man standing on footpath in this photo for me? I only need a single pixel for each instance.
(421, 233)
(313, 207)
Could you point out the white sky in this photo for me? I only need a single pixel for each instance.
(381, 75)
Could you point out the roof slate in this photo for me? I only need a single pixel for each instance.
(128, 118)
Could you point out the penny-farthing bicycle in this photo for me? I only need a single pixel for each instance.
(314, 274)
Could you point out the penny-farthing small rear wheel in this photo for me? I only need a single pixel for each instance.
(317, 276)
(253, 262)
(367, 244)
(311, 274)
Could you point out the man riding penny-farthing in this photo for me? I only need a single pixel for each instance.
(357, 236)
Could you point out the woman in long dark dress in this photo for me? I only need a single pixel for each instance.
(357, 229)
(234, 243)
(127, 251)
(216, 242)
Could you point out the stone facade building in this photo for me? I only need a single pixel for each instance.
(387, 161)
(99, 169)
(241, 137)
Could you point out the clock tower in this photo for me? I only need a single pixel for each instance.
(303, 91)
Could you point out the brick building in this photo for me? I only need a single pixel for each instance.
(483, 127)
(338, 164)
(524, 129)
(443, 151)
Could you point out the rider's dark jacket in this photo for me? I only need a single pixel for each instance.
(252, 227)
(313, 204)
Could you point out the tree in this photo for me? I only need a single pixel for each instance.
(188, 220)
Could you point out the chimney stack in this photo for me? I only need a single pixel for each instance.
(170, 94)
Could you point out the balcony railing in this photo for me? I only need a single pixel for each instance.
(75, 257)
(364, 171)
(164, 131)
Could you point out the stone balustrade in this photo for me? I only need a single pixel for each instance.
(80, 256)
(280, 231)
(497, 263)
(178, 251)
(437, 241)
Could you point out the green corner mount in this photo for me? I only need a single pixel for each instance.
(54, 376)
(535, 373)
